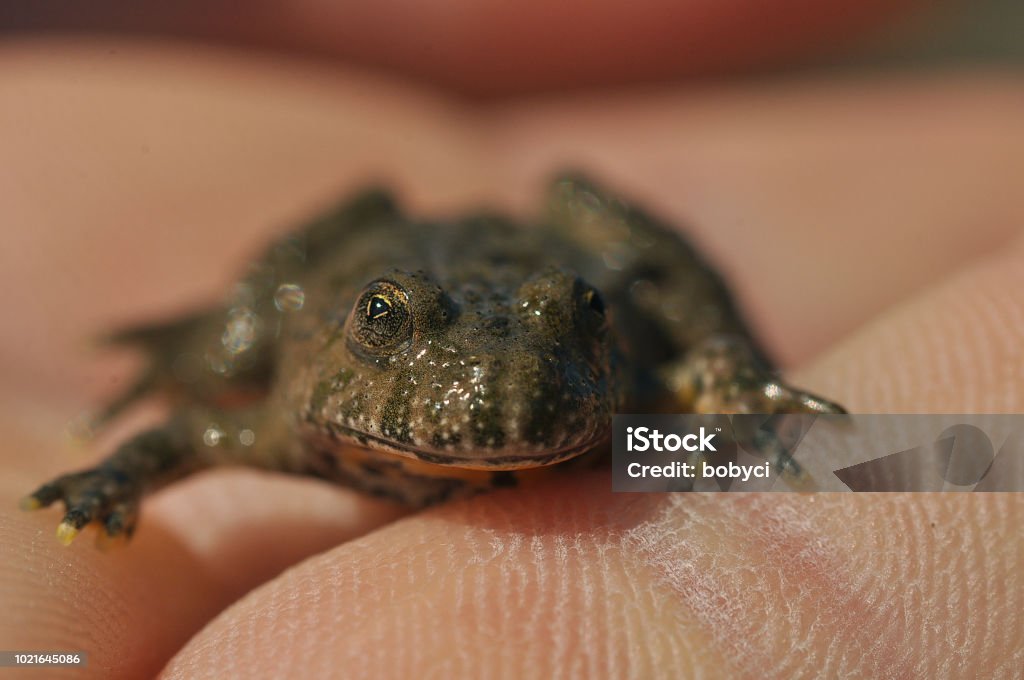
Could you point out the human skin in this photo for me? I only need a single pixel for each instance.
(491, 48)
(872, 229)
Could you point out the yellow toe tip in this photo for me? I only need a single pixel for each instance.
(29, 503)
(66, 533)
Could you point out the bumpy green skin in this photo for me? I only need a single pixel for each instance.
(433, 358)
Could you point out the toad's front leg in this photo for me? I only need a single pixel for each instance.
(194, 439)
(723, 375)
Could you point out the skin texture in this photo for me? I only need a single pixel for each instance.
(872, 230)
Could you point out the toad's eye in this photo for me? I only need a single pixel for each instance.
(382, 321)
(376, 307)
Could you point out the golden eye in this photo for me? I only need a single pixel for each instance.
(377, 306)
(382, 322)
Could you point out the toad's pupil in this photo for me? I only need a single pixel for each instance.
(377, 307)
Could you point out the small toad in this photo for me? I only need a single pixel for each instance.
(422, 359)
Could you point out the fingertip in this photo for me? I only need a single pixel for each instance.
(515, 583)
(128, 610)
(950, 348)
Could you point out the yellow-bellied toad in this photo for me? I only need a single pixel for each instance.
(421, 360)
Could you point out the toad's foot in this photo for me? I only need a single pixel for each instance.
(102, 494)
(722, 375)
(191, 440)
(110, 493)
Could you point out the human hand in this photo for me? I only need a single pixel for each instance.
(852, 218)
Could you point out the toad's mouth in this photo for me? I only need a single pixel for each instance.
(485, 460)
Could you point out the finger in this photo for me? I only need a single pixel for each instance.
(129, 609)
(577, 581)
(823, 203)
(956, 347)
(203, 544)
(497, 47)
